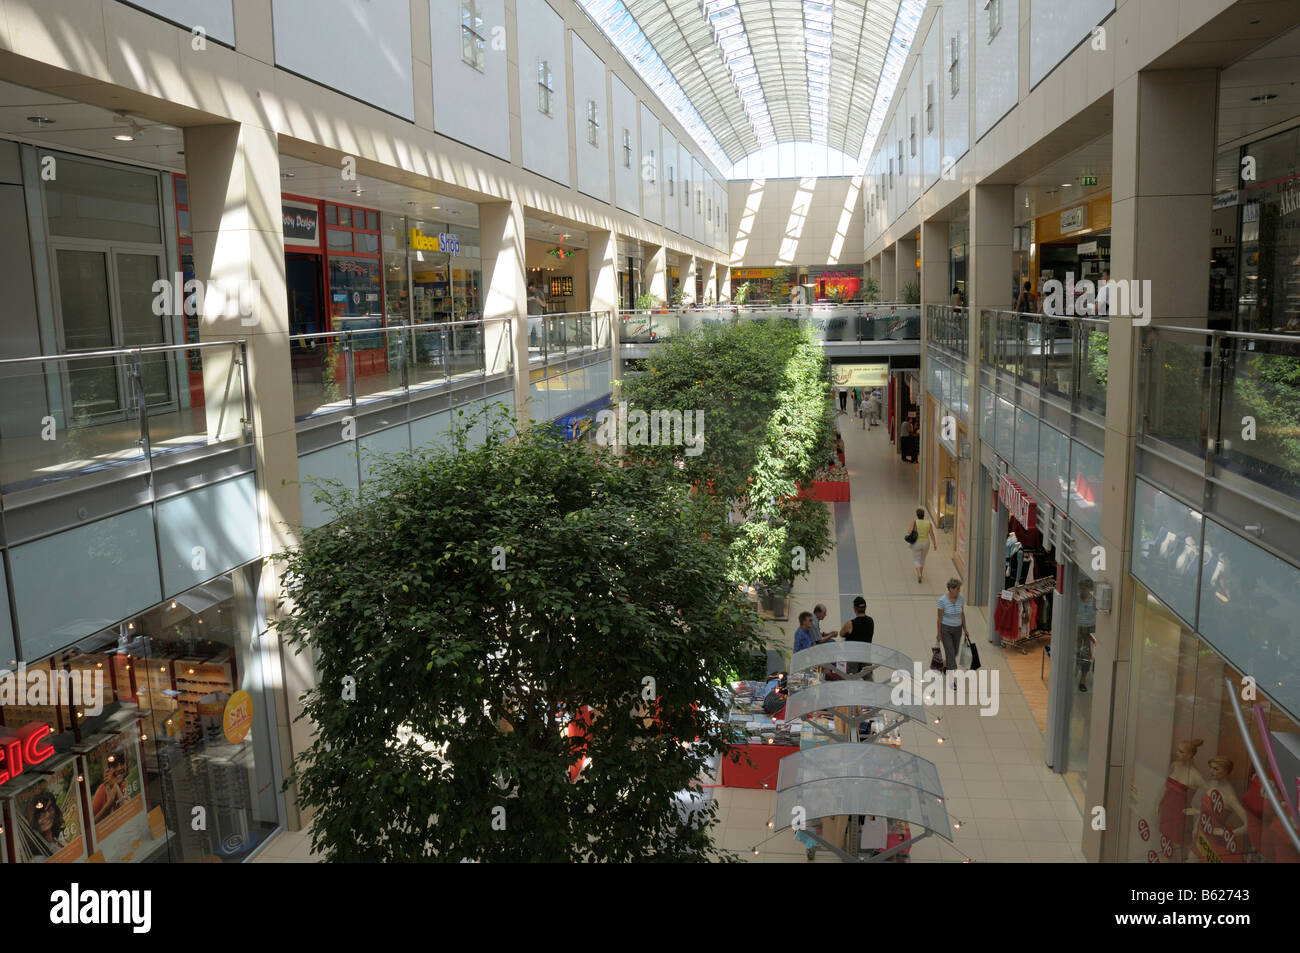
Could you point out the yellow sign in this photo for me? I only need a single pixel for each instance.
(237, 717)
(753, 273)
(422, 242)
(860, 375)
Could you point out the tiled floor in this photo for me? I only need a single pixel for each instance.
(288, 847)
(1010, 805)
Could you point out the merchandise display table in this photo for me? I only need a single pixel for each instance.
(757, 767)
(760, 740)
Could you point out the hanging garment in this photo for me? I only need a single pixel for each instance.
(1024, 619)
(1222, 847)
(1005, 618)
(1045, 612)
(1033, 615)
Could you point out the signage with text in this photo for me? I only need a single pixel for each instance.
(448, 242)
(301, 224)
(1074, 219)
(1017, 502)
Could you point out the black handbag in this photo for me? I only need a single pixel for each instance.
(936, 659)
(910, 538)
(974, 654)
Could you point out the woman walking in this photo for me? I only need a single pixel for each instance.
(923, 543)
(952, 624)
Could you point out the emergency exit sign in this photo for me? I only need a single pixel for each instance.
(1088, 180)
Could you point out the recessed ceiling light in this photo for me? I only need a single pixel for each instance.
(436, 207)
(1067, 185)
(124, 137)
(1263, 98)
(287, 174)
(41, 120)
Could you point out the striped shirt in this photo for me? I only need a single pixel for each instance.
(952, 610)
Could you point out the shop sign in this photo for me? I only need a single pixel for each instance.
(1087, 248)
(301, 223)
(752, 273)
(237, 717)
(860, 375)
(1290, 198)
(1226, 199)
(23, 748)
(1017, 502)
(1074, 219)
(448, 242)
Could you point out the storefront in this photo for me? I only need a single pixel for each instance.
(1261, 271)
(958, 240)
(631, 272)
(148, 742)
(1191, 792)
(836, 282)
(1044, 611)
(1069, 245)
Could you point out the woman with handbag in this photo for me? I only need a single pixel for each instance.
(951, 624)
(921, 538)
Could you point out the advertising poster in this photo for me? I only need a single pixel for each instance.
(113, 778)
(47, 818)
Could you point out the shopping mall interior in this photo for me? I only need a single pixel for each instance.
(328, 327)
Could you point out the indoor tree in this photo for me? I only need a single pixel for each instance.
(486, 600)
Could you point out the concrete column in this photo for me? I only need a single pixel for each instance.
(905, 264)
(711, 281)
(1164, 148)
(724, 287)
(888, 276)
(934, 264)
(505, 285)
(657, 272)
(234, 190)
(989, 280)
(688, 282)
(602, 279)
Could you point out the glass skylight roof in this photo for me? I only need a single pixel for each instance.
(746, 76)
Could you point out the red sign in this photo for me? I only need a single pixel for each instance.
(1018, 503)
(23, 747)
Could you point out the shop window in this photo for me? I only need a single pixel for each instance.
(627, 149)
(994, 9)
(103, 201)
(593, 123)
(472, 34)
(345, 216)
(545, 87)
(954, 61)
(161, 714)
(1192, 793)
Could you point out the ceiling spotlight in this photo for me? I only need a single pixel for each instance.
(1263, 98)
(287, 174)
(1067, 185)
(41, 121)
(132, 130)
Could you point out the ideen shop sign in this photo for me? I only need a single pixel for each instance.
(1017, 502)
(25, 746)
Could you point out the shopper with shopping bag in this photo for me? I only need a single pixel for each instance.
(951, 624)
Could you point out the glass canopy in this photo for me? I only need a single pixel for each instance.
(850, 693)
(867, 652)
(745, 77)
(850, 778)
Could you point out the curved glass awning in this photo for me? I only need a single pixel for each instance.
(867, 653)
(849, 693)
(850, 778)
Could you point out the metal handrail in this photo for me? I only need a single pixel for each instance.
(438, 325)
(116, 352)
(1211, 332)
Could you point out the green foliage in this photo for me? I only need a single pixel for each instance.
(1267, 387)
(646, 301)
(912, 293)
(870, 289)
(464, 670)
(762, 389)
(742, 293)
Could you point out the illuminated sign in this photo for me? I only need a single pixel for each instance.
(21, 748)
(561, 253)
(860, 375)
(446, 242)
(1017, 502)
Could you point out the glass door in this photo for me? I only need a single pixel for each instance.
(94, 385)
(134, 276)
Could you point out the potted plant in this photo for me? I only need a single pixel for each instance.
(870, 289)
(912, 293)
(742, 295)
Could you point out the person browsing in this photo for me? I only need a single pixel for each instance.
(805, 637)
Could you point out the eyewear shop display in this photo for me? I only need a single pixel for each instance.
(146, 743)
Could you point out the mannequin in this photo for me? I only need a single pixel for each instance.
(1214, 839)
(1015, 559)
(1183, 779)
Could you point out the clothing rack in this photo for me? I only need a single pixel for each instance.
(1011, 612)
